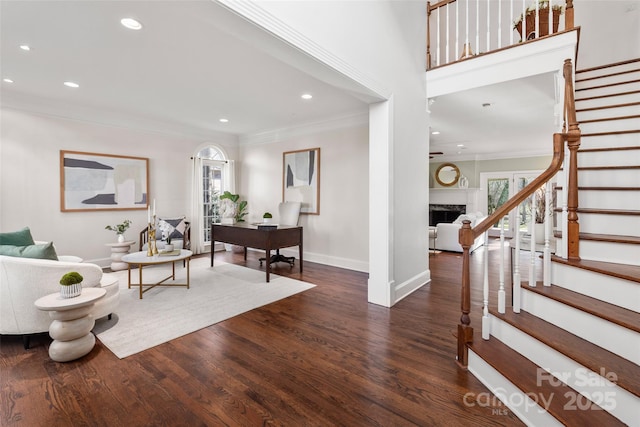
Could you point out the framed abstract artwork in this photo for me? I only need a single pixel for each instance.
(92, 182)
(301, 179)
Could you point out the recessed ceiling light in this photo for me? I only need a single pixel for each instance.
(71, 84)
(306, 96)
(460, 145)
(435, 132)
(7, 80)
(131, 23)
(25, 47)
(224, 120)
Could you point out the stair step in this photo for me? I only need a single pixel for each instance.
(600, 149)
(602, 212)
(606, 107)
(593, 168)
(605, 188)
(621, 271)
(582, 351)
(524, 374)
(612, 313)
(609, 85)
(605, 70)
(606, 119)
(608, 95)
(581, 81)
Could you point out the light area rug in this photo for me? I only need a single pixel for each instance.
(165, 313)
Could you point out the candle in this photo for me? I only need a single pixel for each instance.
(148, 214)
(154, 207)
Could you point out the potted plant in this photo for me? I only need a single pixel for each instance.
(232, 209)
(266, 218)
(530, 16)
(71, 284)
(119, 229)
(168, 247)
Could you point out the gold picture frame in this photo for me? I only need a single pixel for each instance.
(99, 182)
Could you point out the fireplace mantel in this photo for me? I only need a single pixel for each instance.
(456, 196)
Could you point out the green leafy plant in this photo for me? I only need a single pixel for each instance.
(119, 228)
(241, 205)
(542, 4)
(71, 278)
(267, 215)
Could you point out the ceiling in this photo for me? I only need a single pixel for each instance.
(194, 62)
(513, 118)
(182, 71)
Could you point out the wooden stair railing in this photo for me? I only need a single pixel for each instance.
(460, 17)
(467, 235)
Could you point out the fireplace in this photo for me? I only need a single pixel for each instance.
(445, 213)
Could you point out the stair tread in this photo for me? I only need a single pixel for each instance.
(599, 149)
(606, 107)
(622, 271)
(587, 354)
(523, 373)
(612, 313)
(613, 238)
(604, 211)
(604, 188)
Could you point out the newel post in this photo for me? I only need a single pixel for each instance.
(573, 143)
(465, 331)
(568, 15)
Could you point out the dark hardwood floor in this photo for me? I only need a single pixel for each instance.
(323, 357)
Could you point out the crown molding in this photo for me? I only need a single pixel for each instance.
(276, 135)
(351, 78)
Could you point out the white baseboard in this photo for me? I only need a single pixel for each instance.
(401, 290)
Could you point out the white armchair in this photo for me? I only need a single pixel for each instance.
(24, 280)
(447, 238)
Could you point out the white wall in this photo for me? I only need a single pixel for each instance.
(339, 235)
(610, 31)
(385, 41)
(30, 179)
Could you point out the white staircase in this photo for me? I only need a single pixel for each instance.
(572, 354)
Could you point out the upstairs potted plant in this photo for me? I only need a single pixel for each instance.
(71, 284)
(119, 229)
(530, 20)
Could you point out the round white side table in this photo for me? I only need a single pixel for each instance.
(118, 250)
(72, 323)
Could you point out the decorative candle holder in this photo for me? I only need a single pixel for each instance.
(152, 239)
(155, 246)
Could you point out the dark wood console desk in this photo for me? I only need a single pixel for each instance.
(248, 235)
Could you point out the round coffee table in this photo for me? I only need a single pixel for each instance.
(141, 259)
(72, 324)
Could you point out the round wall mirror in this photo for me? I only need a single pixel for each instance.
(447, 174)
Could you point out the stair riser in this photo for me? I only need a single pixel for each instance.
(609, 178)
(610, 252)
(617, 78)
(590, 91)
(623, 111)
(617, 225)
(528, 411)
(620, 292)
(610, 158)
(612, 337)
(599, 389)
(606, 101)
(616, 140)
(607, 70)
(610, 126)
(610, 199)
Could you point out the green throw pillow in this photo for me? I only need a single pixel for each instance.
(45, 251)
(17, 238)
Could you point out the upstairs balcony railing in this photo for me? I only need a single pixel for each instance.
(460, 29)
(565, 149)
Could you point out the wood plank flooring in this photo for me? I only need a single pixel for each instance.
(324, 357)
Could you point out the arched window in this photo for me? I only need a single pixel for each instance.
(214, 173)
